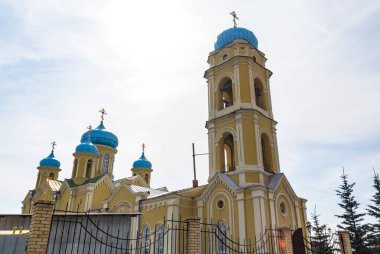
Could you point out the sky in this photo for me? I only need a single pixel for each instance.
(143, 61)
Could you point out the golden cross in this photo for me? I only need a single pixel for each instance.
(235, 17)
(89, 128)
(103, 112)
(143, 147)
(53, 145)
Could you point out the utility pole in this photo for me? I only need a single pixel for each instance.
(195, 181)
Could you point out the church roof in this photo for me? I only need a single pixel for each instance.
(152, 192)
(230, 35)
(54, 185)
(72, 184)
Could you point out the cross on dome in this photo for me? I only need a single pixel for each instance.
(102, 112)
(53, 145)
(143, 146)
(235, 17)
(89, 128)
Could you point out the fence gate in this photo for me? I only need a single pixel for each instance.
(82, 233)
(298, 242)
(216, 239)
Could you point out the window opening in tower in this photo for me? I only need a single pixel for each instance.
(229, 153)
(227, 97)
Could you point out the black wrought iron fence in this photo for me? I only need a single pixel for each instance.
(215, 238)
(75, 232)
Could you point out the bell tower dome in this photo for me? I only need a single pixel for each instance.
(241, 127)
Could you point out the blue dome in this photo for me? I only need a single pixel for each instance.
(50, 161)
(100, 136)
(230, 35)
(86, 147)
(142, 163)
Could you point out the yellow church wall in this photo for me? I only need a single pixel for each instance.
(187, 209)
(249, 214)
(236, 219)
(79, 203)
(153, 215)
(101, 193)
(252, 177)
(223, 213)
(103, 150)
(267, 211)
(225, 122)
(260, 73)
(46, 195)
(250, 153)
(284, 219)
(63, 200)
(122, 195)
(235, 178)
(245, 89)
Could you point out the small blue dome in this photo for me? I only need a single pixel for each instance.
(230, 35)
(100, 136)
(142, 163)
(50, 161)
(86, 147)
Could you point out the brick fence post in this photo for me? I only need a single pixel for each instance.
(40, 227)
(345, 243)
(193, 236)
(285, 240)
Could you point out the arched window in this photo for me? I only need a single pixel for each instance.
(51, 176)
(226, 94)
(222, 238)
(160, 239)
(88, 169)
(106, 162)
(266, 153)
(259, 94)
(228, 153)
(147, 178)
(146, 240)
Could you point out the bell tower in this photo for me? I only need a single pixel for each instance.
(241, 128)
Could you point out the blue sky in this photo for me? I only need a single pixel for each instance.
(61, 61)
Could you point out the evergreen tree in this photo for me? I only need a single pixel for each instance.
(374, 211)
(351, 218)
(320, 240)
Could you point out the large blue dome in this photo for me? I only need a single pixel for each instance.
(100, 136)
(86, 147)
(142, 163)
(50, 161)
(230, 35)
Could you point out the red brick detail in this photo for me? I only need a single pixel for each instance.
(285, 240)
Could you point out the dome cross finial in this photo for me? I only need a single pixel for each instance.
(53, 145)
(143, 146)
(102, 112)
(89, 130)
(233, 13)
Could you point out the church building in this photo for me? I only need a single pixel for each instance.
(246, 192)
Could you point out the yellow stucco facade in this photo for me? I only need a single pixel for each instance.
(246, 190)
